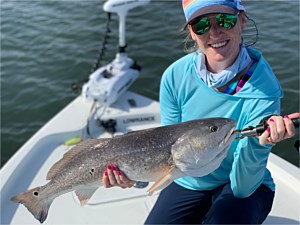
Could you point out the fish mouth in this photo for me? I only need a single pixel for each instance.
(229, 136)
(233, 133)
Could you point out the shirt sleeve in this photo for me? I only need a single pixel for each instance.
(250, 158)
(169, 107)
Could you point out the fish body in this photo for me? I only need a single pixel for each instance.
(162, 154)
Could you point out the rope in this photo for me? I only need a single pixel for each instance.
(102, 50)
(77, 86)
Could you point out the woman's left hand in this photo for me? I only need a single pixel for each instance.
(114, 177)
(280, 128)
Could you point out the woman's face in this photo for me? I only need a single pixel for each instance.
(220, 45)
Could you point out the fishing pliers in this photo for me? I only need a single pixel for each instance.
(259, 129)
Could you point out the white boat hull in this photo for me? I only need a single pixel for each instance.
(29, 166)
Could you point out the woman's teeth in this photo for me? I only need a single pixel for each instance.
(218, 45)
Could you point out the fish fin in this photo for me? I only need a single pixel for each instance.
(140, 131)
(85, 194)
(37, 206)
(172, 174)
(81, 147)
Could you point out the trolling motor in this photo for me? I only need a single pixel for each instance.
(109, 82)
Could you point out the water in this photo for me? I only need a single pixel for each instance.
(48, 45)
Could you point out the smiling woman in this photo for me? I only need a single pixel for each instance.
(221, 79)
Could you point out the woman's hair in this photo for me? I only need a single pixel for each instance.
(249, 36)
(189, 44)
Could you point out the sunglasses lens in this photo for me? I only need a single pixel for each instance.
(201, 26)
(226, 20)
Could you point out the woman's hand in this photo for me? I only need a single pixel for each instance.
(114, 177)
(280, 128)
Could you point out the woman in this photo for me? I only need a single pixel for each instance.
(221, 79)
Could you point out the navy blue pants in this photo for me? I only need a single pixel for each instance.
(178, 205)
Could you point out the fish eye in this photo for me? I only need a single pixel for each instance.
(213, 128)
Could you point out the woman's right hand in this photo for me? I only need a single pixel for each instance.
(112, 176)
(280, 128)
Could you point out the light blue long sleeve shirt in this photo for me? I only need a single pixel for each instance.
(184, 96)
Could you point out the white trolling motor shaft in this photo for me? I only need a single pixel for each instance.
(121, 7)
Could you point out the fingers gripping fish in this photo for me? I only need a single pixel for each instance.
(162, 154)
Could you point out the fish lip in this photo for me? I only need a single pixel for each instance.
(230, 136)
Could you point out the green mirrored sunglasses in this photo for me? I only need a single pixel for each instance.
(202, 25)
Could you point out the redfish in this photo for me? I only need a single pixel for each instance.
(162, 154)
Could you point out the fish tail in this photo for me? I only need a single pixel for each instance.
(34, 203)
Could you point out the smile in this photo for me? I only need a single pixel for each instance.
(219, 45)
